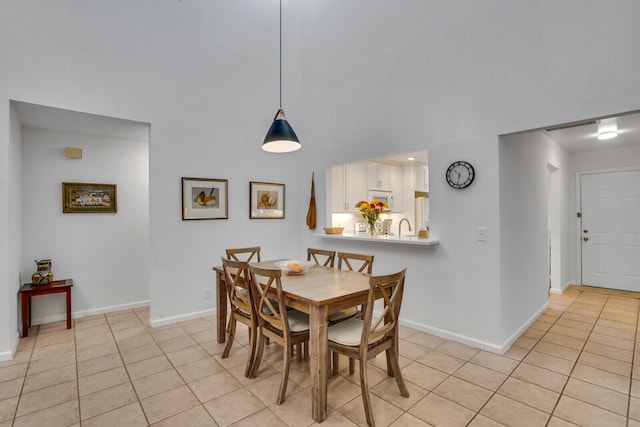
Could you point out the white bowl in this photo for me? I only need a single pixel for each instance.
(293, 266)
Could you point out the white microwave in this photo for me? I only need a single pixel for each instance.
(383, 196)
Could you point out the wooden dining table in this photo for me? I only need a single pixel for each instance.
(318, 292)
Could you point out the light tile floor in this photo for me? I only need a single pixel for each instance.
(574, 366)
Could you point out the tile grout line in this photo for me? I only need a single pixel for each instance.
(578, 358)
(24, 379)
(519, 362)
(633, 357)
(124, 365)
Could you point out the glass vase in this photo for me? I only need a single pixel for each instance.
(372, 228)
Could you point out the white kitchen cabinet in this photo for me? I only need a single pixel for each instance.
(378, 176)
(422, 178)
(397, 189)
(348, 186)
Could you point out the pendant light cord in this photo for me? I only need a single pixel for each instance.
(280, 54)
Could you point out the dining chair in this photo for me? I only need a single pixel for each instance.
(360, 261)
(287, 328)
(246, 253)
(365, 338)
(321, 257)
(236, 274)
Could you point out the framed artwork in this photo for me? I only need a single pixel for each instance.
(80, 197)
(266, 200)
(204, 198)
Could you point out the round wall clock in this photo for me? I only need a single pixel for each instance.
(460, 174)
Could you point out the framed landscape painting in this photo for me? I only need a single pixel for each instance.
(266, 200)
(204, 198)
(78, 197)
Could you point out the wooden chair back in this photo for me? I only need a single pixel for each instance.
(271, 312)
(236, 274)
(390, 289)
(360, 261)
(246, 253)
(321, 257)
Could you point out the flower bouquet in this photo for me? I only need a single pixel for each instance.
(371, 211)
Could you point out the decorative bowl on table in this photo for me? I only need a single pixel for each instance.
(333, 230)
(293, 267)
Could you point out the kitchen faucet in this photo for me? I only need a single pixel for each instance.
(400, 226)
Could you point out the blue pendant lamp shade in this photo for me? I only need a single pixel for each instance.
(281, 138)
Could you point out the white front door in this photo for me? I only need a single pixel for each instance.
(610, 234)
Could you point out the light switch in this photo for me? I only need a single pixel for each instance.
(481, 234)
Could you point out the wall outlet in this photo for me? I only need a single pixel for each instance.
(481, 234)
(206, 293)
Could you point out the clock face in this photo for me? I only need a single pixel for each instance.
(460, 174)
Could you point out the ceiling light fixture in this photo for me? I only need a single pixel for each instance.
(607, 129)
(281, 138)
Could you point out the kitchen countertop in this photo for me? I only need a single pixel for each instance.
(398, 240)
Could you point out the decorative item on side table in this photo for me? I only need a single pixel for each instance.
(370, 212)
(43, 276)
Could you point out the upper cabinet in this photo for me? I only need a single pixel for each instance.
(384, 177)
(422, 178)
(378, 176)
(348, 186)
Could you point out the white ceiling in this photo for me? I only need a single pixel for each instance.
(585, 138)
(43, 117)
(420, 156)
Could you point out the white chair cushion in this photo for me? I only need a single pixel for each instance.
(348, 332)
(339, 315)
(298, 321)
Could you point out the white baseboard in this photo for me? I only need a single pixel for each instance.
(154, 323)
(484, 345)
(8, 355)
(564, 288)
(522, 329)
(90, 312)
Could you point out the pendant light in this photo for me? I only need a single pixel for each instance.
(280, 138)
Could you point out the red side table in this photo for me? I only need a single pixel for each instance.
(30, 290)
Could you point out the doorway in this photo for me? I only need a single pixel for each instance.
(610, 229)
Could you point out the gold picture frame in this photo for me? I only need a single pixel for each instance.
(80, 197)
(266, 200)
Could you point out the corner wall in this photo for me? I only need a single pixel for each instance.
(524, 203)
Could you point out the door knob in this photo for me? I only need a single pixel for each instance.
(585, 238)
(585, 231)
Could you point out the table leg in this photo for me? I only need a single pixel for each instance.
(24, 300)
(68, 308)
(221, 307)
(318, 361)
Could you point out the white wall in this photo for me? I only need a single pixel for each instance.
(106, 254)
(361, 79)
(11, 238)
(524, 204)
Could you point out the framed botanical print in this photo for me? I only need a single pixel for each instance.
(204, 198)
(266, 200)
(79, 197)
